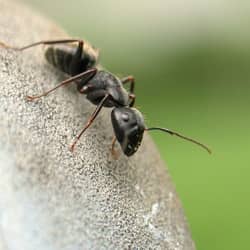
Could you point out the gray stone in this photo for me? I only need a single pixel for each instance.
(52, 199)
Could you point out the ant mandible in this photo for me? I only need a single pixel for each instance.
(102, 88)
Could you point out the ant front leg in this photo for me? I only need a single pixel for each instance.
(131, 80)
(43, 42)
(90, 121)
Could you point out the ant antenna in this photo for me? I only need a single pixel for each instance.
(181, 136)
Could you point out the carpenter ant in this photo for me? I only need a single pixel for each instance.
(102, 88)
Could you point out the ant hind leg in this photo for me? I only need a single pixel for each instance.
(44, 42)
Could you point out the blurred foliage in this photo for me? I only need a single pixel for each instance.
(196, 83)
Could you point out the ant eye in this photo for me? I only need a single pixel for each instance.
(125, 117)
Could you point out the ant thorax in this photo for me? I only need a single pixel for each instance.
(105, 82)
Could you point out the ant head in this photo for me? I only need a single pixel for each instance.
(128, 126)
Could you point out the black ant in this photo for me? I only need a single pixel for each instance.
(102, 88)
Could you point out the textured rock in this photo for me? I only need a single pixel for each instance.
(51, 199)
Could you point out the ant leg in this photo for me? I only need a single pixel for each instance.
(44, 42)
(131, 80)
(132, 98)
(90, 120)
(75, 66)
(114, 153)
(88, 73)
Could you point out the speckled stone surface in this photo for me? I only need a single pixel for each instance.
(51, 199)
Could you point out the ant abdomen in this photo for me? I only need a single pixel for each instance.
(71, 60)
(58, 58)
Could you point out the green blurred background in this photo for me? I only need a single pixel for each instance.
(191, 61)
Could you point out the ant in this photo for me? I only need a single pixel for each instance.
(102, 88)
